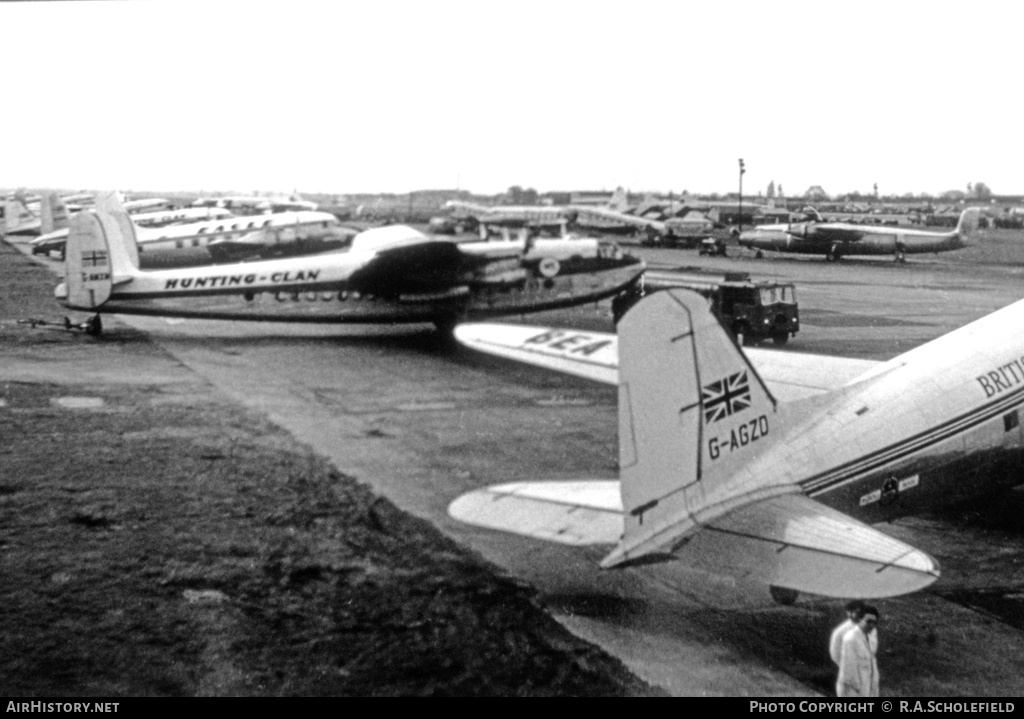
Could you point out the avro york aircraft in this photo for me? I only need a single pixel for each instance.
(839, 239)
(388, 274)
(769, 465)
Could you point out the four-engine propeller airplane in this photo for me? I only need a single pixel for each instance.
(389, 274)
(769, 465)
(840, 239)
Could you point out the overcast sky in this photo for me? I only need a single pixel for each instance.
(392, 96)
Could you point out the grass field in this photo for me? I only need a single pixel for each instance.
(156, 539)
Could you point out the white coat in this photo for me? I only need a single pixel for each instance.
(835, 643)
(858, 669)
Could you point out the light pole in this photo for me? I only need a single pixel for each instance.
(739, 220)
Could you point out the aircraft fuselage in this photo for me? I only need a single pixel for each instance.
(893, 444)
(310, 297)
(876, 242)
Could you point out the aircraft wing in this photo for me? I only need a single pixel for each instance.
(595, 355)
(788, 541)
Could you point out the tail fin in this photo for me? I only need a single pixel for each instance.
(691, 408)
(53, 213)
(124, 244)
(101, 251)
(967, 227)
(16, 214)
(619, 201)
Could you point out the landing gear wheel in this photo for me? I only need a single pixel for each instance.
(446, 325)
(833, 254)
(783, 595)
(780, 337)
(94, 326)
(901, 255)
(759, 255)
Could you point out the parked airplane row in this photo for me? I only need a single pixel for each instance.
(812, 235)
(388, 274)
(21, 219)
(198, 235)
(613, 218)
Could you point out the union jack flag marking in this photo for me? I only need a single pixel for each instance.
(94, 258)
(725, 397)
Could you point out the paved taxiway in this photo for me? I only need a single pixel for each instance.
(423, 424)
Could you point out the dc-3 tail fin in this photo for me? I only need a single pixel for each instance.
(691, 411)
(101, 251)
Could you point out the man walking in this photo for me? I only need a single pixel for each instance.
(854, 608)
(858, 668)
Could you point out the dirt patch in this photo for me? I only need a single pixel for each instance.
(159, 540)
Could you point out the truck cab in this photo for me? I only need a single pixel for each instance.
(752, 311)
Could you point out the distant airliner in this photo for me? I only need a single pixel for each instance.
(840, 239)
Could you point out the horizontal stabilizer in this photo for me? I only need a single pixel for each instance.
(789, 541)
(795, 542)
(576, 513)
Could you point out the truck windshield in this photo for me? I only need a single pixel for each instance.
(779, 293)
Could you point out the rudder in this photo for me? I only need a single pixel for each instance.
(619, 201)
(53, 213)
(967, 226)
(120, 231)
(691, 410)
(101, 251)
(87, 266)
(16, 215)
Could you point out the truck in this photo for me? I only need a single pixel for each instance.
(752, 310)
